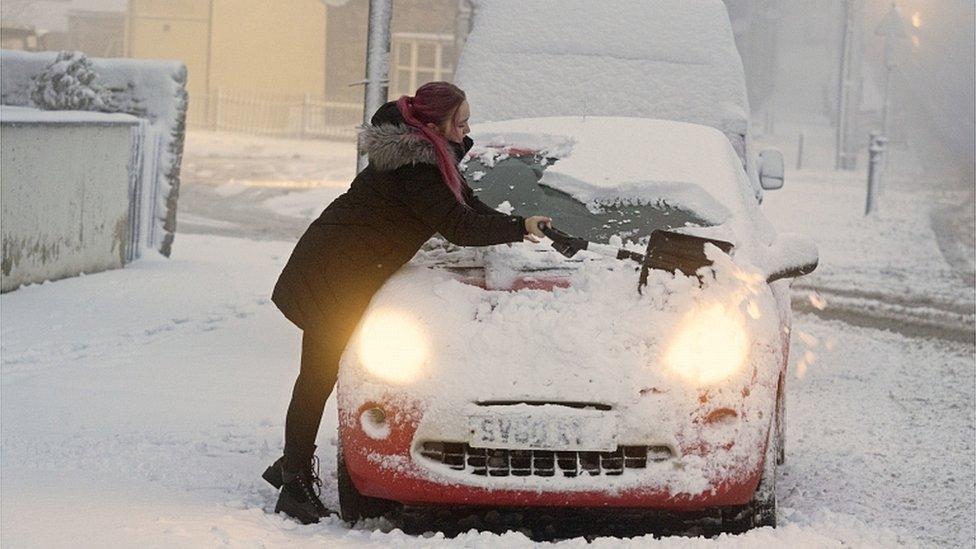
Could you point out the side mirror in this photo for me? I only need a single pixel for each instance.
(771, 170)
(791, 256)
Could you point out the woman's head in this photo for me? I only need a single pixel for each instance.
(439, 110)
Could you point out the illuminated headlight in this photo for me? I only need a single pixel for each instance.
(711, 345)
(392, 346)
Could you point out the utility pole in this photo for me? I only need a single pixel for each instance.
(848, 84)
(893, 29)
(377, 63)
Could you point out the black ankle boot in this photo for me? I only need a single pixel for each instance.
(300, 490)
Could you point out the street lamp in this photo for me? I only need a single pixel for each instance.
(892, 28)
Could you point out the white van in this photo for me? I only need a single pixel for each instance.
(663, 59)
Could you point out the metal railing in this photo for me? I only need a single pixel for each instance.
(296, 116)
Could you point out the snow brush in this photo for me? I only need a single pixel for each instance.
(666, 251)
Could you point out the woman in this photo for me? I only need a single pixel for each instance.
(411, 189)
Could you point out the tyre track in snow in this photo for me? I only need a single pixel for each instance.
(909, 316)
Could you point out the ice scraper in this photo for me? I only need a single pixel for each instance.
(666, 250)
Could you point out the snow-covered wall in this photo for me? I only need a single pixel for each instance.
(154, 91)
(64, 193)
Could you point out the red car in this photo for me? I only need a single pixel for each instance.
(510, 382)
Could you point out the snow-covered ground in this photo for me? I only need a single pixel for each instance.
(139, 406)
(889, 269)
(259, 188)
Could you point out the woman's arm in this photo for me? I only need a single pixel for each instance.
(479, 206)
(432, 202)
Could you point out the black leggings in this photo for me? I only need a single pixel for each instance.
(321, 350)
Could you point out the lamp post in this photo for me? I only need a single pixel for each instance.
(892, 28)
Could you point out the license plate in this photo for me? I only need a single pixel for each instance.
(548, 432)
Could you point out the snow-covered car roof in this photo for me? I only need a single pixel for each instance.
(603, 160)
(670, 59)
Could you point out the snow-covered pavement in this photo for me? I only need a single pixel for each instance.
(889, 270)
(140, 406)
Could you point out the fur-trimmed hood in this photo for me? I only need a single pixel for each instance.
(390, 146)
(391, 143)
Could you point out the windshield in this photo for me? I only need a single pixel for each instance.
(516, 180)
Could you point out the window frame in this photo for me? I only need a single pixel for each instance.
(413, 41)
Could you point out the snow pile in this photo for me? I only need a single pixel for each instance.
(152, 90)
(671, 59)
(605, 160)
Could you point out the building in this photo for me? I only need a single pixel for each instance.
(96, 33)
(422, 46)
(260, 67)
(243, 56)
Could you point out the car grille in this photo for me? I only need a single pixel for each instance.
(495, 462)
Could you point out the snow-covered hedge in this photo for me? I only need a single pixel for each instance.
(152, 90)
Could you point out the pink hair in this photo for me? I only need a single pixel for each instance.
(436, 103)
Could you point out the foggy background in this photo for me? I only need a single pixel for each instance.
(253, 49)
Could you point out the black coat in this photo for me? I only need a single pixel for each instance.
(393, 206)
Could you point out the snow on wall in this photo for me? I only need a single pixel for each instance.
(670, 59)
(149, 89)
(65, 194)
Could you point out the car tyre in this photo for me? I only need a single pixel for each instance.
(764, 501)
(781, 420)
(354, 506)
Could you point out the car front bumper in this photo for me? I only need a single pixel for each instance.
(390, 463)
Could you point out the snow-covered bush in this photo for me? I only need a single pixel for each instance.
(69, 84)
(154, 90)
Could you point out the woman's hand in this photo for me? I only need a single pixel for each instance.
(533, 232)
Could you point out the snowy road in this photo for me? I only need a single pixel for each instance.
(139, 407)
(259, 188)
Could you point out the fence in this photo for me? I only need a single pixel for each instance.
(298, 116)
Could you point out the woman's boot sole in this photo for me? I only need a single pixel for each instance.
(294, 510)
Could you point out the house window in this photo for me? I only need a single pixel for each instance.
(418, 58)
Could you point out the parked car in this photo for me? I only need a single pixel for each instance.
(661, 59)
(512, 380)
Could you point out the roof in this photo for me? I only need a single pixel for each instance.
(667, 59)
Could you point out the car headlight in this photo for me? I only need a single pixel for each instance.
(392, 345)
(711, 345)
